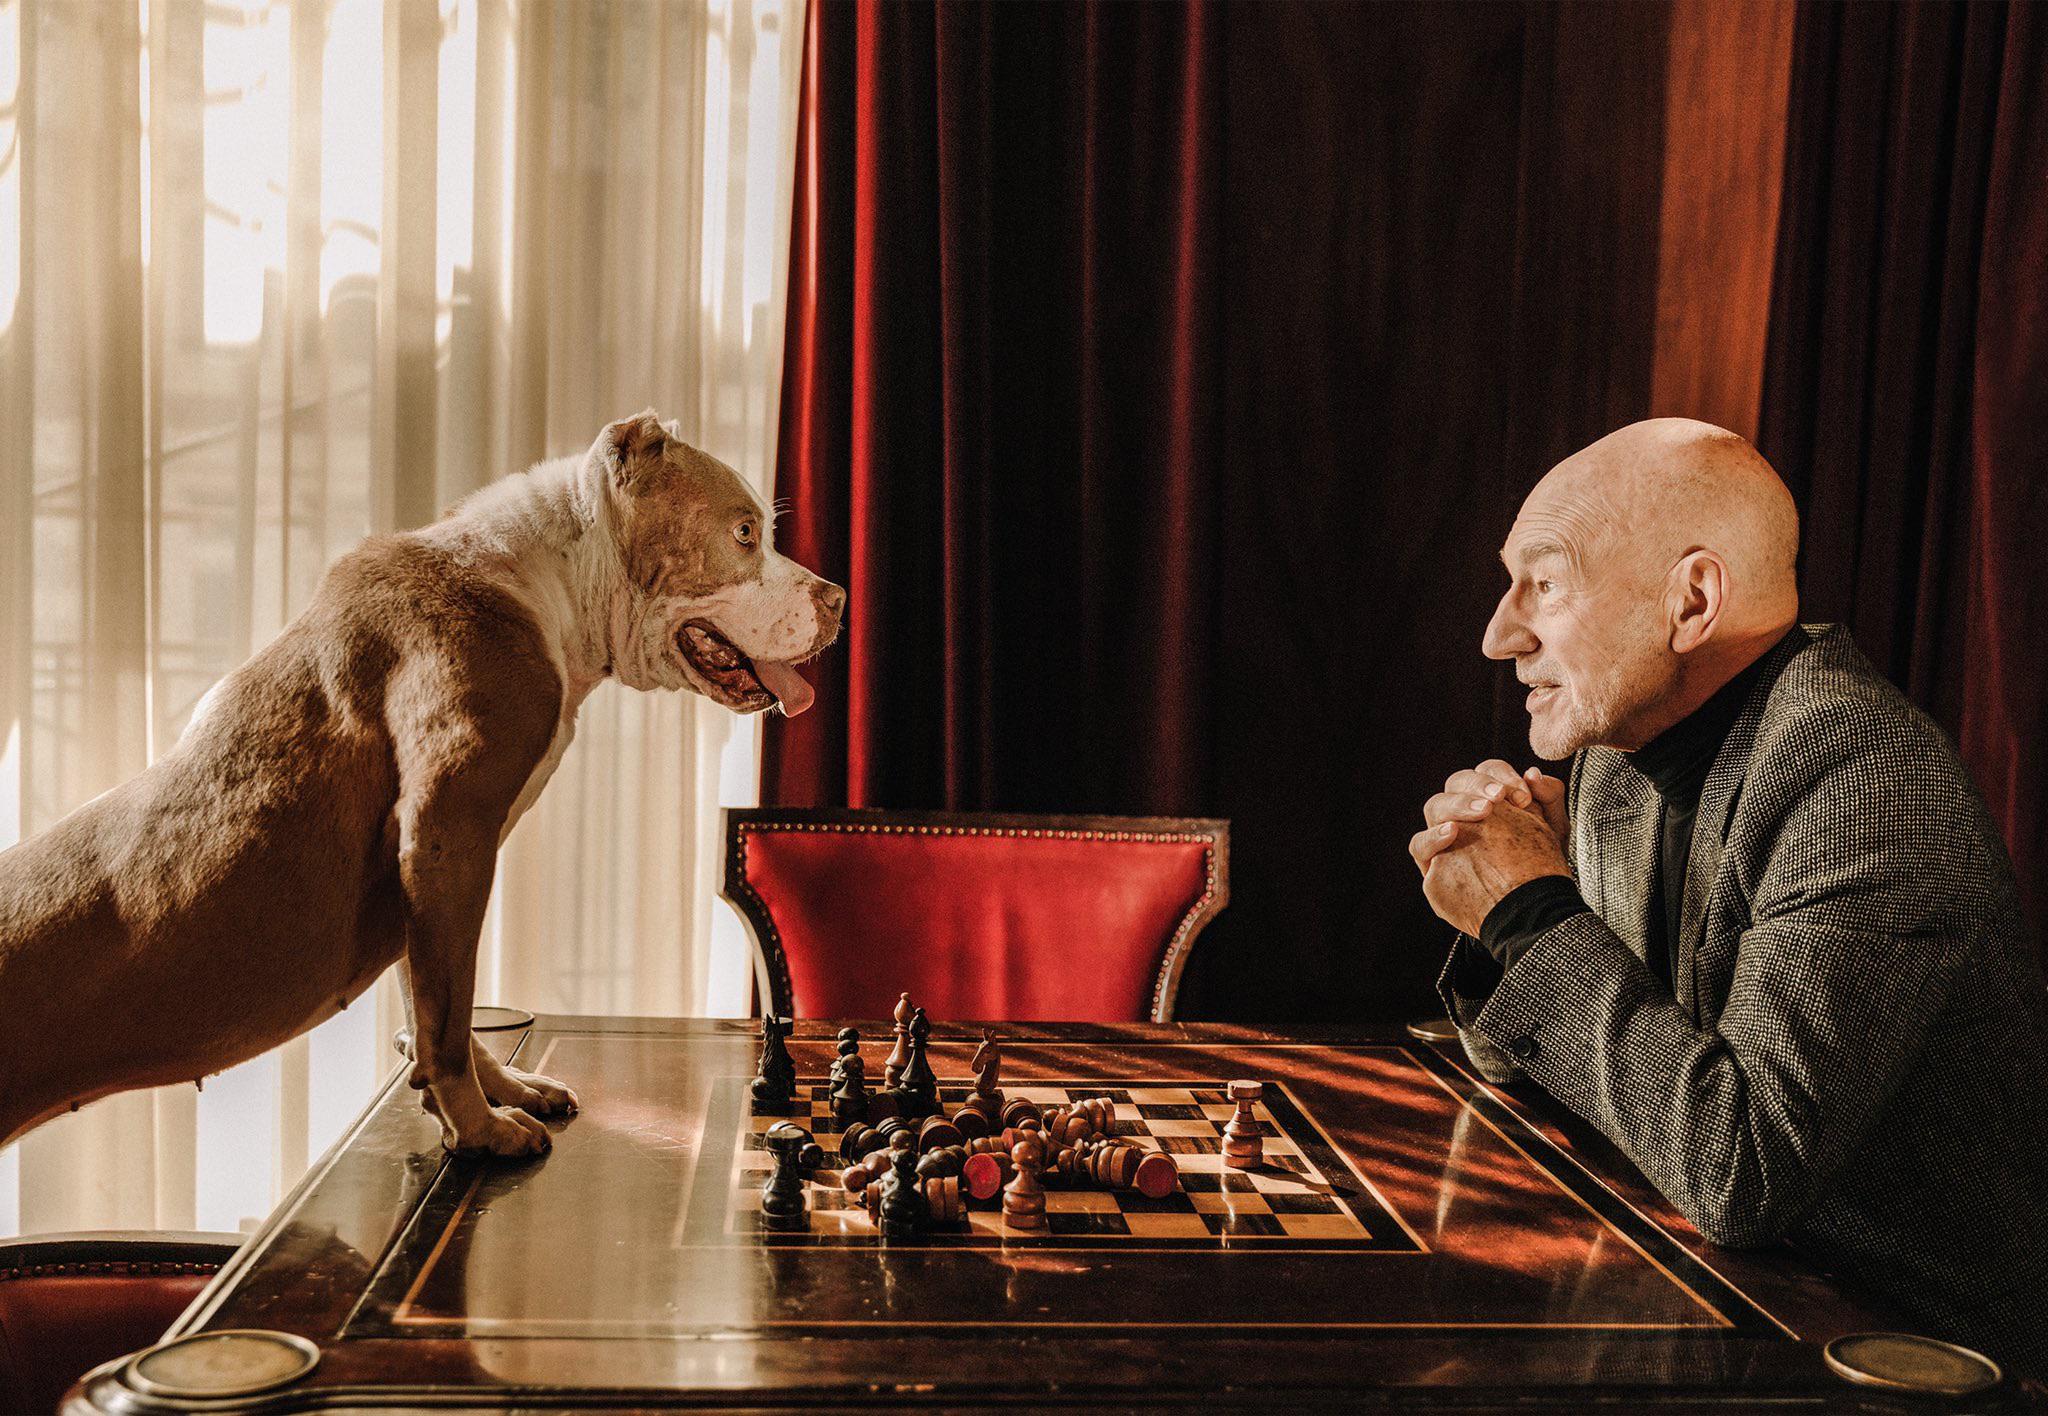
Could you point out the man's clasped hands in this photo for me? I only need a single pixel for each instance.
(1490, 830)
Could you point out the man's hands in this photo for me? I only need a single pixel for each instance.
(1489, 831)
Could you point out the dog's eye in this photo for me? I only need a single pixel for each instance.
(744, 533)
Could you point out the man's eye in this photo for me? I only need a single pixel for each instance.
(744, 533)
(1543, 587)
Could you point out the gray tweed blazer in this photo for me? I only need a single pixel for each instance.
(1856, 1058)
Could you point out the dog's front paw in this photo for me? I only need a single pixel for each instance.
(508, 1131)
(530, 1092)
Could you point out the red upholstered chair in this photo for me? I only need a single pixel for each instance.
(1039, 918)
(69, 1302)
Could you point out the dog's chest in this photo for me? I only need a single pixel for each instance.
(565, 732)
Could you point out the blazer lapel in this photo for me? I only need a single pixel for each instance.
(1617, 852)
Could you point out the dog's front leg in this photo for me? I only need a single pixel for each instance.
(446, 859)
(503, 1084)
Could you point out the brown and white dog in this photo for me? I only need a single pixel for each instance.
(336, 803)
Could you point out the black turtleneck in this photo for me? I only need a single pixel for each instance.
(1676, 762)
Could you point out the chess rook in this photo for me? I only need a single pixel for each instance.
(783, 1202)
(902, 1208)
(1244, 1139)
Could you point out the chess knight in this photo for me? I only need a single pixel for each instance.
(335, 804)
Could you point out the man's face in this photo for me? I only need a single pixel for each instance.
(1584, 628)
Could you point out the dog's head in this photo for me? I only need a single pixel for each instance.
(706, 603)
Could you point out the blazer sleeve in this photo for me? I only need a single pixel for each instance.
(1470, 975)
(1858, 917)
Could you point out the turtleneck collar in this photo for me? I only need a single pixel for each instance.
(1678, 759)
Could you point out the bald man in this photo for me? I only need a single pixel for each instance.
(1768, 941)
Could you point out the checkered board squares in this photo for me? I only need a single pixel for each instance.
(1303, 1194)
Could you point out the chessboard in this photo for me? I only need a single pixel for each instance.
(1303, 1195)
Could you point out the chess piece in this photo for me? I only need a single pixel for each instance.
(942, 1160)
(849, 1080)
(1019, 1114)
(902, 1208)
(1100, 1111)
(918, 1079)
(783, 1205)
(1123, 1166)
(899, 1055)
(988, 1061)
(775, 1087)
(1024, 1197)
(1067, 1126)
(937, 1131)
(943, 1199)
(970, 1121)
(892, 1127)
(983, 1174)
(980, 1114)
(858, 1139)
(942, 1194)
(1244, 1139)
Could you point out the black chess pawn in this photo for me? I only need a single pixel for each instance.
(783, 1205)
(918, 1078)
(775, 1087)
(904, 1209)
(849, 1081)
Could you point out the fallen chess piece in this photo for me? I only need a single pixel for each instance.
(1123, 1166)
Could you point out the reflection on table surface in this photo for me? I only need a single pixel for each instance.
(1414, 1230)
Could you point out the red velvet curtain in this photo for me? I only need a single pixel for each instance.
(1002, 409)
(1906, 377)
(1162, 380)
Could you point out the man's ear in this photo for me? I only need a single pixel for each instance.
(629, 447)
(1699, 592)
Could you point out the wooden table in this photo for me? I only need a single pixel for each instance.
(1417, 1238)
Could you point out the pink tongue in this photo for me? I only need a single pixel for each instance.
(788, 686)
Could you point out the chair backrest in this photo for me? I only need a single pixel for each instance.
(69, 1302)
(976, 915)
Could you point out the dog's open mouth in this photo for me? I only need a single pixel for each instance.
(741, 682)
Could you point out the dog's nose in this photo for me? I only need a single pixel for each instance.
(831, 599)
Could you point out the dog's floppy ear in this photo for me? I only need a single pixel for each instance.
(631, 446)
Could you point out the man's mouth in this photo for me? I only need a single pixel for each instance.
(1540, 694)
(741, 682)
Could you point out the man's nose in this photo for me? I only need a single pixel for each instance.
(1506, 636)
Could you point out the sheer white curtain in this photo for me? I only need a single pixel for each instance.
(274, 276)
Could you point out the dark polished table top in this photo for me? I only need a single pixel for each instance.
(1416, 1238)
